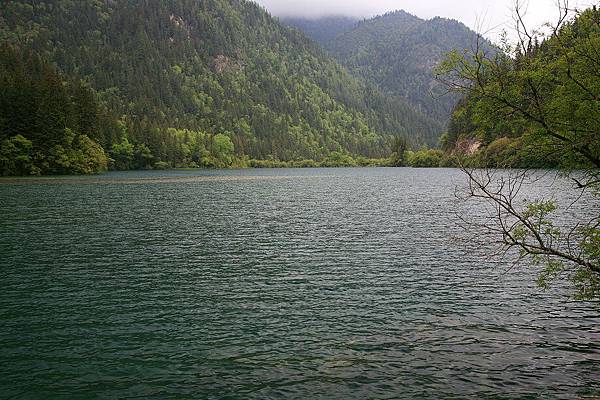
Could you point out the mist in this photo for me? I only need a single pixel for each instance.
(490, 17)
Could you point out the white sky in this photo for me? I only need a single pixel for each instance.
(488, 16)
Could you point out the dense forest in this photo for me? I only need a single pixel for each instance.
(94, 84)
(47, 124)
(550, 84)
(399, 53)
(323, 29)
(181, 83)
(530, 107)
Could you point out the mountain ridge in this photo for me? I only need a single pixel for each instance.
(398, 52)
(214, 67)
(322, 29)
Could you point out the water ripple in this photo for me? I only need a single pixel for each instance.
(267, 284)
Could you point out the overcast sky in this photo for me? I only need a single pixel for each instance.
(491, 16)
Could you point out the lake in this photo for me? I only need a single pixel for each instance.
(271, 284)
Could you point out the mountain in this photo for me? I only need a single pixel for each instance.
(176, 74)
(399, 53)
(538, 107)
(322, 30)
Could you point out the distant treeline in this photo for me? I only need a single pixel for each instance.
(89, 85)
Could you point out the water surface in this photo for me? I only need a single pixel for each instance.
(258, 284)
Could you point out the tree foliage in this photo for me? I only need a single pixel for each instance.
(545, 97)
(216, 68)
(49, 125)
(16, 156)
(538, 107)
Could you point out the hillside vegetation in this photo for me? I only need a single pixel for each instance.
(323, 29)
(209, 83)
(538, 108)
(399, 53)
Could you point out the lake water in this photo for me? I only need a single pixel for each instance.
(259, 284)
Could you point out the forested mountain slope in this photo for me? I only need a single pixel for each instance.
(48, 124)
(323, 29)
(176, 74)
(539, 108)
(399, 52)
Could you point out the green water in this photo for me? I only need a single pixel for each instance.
(294, 284)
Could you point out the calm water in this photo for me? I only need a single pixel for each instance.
(296, 284)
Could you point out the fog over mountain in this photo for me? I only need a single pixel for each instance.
(397, 51)
(488, 16)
